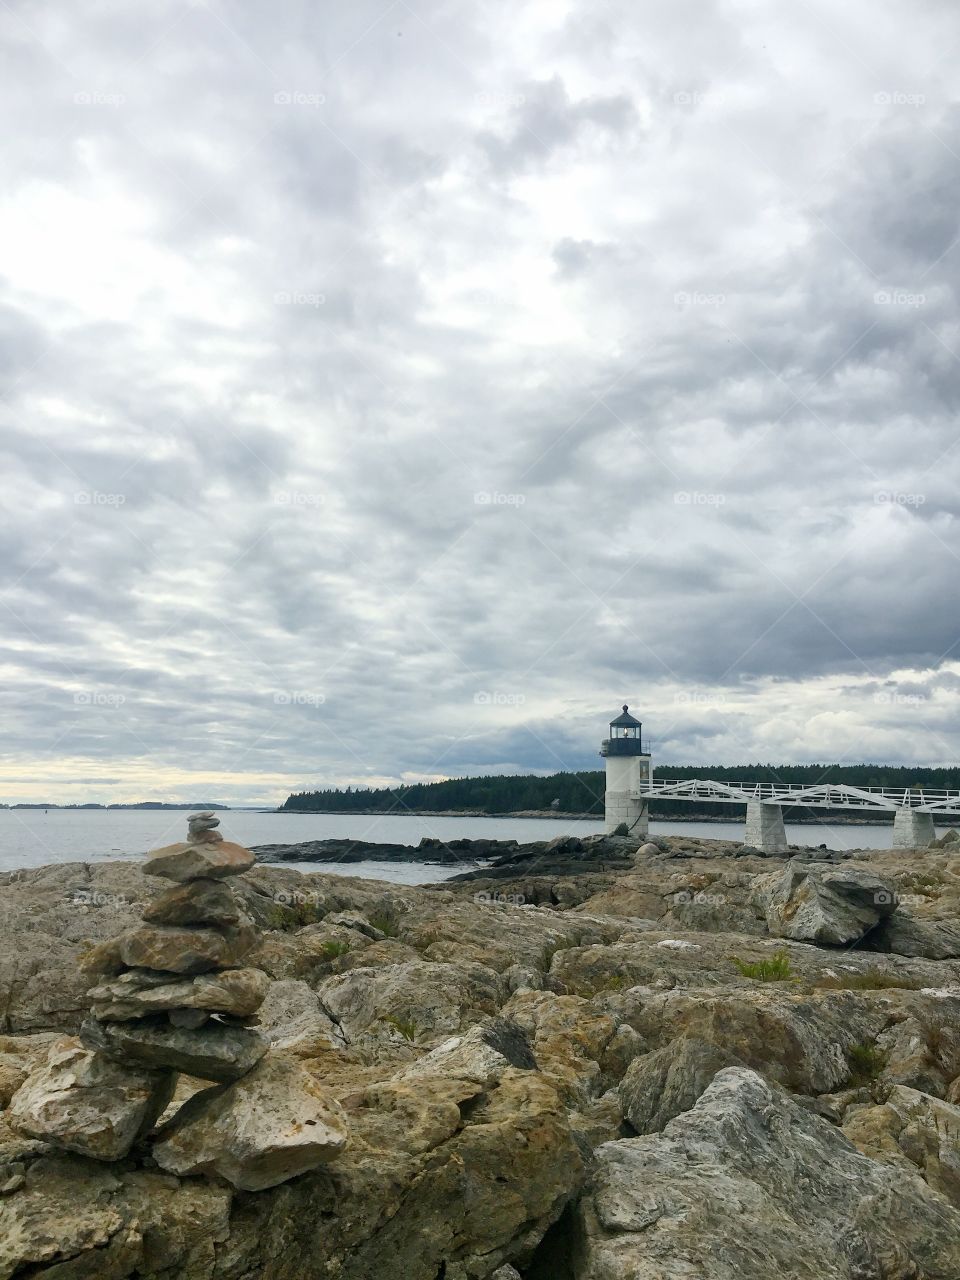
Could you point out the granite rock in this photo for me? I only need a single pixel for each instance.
(84, 1102)
(275, 1123)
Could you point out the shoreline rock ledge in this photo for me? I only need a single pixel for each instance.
(174, 997)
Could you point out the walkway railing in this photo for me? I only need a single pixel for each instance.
(821, 796)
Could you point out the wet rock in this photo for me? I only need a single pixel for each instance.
(828, 907)
(203, 901)
(186, 948)
(140, 992)
(84, 1102)
(749, 1186)
(274, 1124)
(214, 1051)
(182, 862)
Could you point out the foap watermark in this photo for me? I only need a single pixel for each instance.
(298, 298)
(299, 698)
(498, 698)
(500, 99)
(890, 897)
(898, 498)
(94, 498)
(899, 298)
(698, 98)
(298, 898)
(493, 498)
(98, 698)
(97, 98)
(698, 698)
(886, 697)
(694, 498)
(899, 98)
(698, 898)
(511, 899)
(697, 298)
(93, 898)
(298, 498)
(297, 98)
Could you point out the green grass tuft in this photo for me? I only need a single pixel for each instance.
(866, 1062)
(776, 969)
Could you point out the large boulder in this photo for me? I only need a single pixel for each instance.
(747, 1185)
(84, 1102)
(292, 1018)
(275, 1123)
(831, 907)
(913, 1131)
(660, 1085)
(802, 1041)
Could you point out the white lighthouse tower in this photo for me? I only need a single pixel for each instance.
(629, 771)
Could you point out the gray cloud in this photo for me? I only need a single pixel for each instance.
(355, 365)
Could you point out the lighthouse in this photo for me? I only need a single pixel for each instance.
(629, 771)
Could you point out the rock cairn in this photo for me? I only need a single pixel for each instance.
(181, 1000)
(174, 996)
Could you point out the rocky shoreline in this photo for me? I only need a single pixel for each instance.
(580, 1060)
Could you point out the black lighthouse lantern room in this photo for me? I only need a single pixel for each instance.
(625, 736)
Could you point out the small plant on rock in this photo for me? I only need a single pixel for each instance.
(866, 1062)
(776, 969)
(333, 949)
(406, 1026)
(871, 979)
(386, 925)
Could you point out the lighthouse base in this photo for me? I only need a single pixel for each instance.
(621, 807)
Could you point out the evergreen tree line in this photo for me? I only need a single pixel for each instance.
(582, 793)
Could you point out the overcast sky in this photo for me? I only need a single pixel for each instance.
(392, 390)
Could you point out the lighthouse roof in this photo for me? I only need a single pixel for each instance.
(625, 720)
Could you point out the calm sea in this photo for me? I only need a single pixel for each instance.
(33, 837)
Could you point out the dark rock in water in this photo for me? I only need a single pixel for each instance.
(214, 1051)
(562, 856)
(346, 852)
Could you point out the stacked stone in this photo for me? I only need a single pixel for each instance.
(179, 999)
(182, 1001)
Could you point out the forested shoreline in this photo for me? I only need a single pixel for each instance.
(582, 793)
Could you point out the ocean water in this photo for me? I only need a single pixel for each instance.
(33, 837)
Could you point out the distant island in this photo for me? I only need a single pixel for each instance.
(199, 805)
(581, 794)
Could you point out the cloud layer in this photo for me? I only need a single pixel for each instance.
(390, 390)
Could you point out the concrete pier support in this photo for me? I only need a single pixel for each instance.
(621, 806)
(912, 830)
(765, 828)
